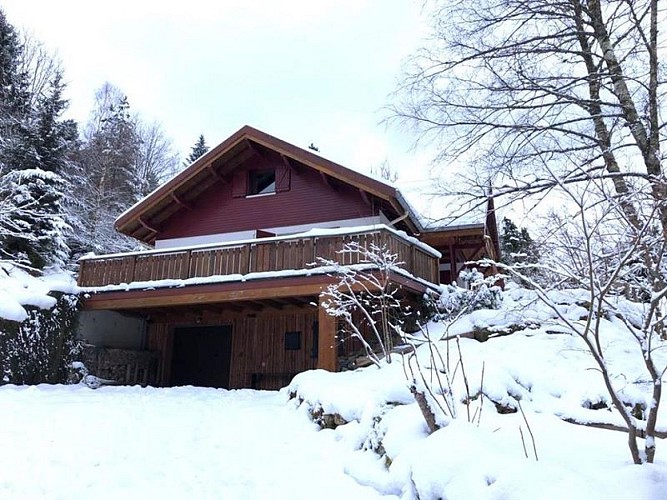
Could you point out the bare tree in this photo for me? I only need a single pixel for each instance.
(108, 98)
(364, 295)
(385, 171)
(525, 89)
(157, 159)
(41, 66)
(539, 98)
(374, 315)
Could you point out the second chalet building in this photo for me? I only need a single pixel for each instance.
(229, 297)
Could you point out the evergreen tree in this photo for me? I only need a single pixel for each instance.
(121, 159)
(33, 158)
(107, 169)
(516, 245)
(199, 149)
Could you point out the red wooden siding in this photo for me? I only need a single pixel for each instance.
(300, 198)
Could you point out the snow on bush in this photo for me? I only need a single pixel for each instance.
(37, 318)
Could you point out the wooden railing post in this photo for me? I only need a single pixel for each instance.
(131, 267)
(185, 270)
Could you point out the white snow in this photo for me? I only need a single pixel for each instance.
(134, 443)
(18, 289)
(131, 442)
(543, 368)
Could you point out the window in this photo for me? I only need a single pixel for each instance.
(292, 341)
(261, 182)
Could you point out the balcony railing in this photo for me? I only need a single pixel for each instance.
(255, 256)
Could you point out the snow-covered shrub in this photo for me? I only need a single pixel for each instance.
(42, 347)
(481, 293)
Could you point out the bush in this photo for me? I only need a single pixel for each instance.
(481, 293)
(41, 348)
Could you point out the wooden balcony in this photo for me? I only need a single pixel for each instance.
(255, 256)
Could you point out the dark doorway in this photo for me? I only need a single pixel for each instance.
(202, 356)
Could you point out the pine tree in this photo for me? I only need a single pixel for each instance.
(516, 245)
(122, 158)
(33, 158)
(199, 149)
(107, 169)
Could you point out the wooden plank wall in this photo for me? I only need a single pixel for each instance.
(258, 346)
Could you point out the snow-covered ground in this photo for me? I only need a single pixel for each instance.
(129, 442)
(541, 371)
(62, 442)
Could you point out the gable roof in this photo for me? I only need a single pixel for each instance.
(142, 220)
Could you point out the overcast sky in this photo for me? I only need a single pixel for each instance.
(302, 70)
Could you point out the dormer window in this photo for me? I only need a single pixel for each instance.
(261, 182)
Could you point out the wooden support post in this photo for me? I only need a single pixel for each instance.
(327, 358)
(452, 264)
(83, 273)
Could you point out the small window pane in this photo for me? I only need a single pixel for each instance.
(292, 341)
(262, 182)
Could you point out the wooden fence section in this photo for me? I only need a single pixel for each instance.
(254, 257)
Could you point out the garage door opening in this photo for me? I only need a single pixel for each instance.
(202, 356)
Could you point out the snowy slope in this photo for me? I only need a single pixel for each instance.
(541, 372)
(202, 443)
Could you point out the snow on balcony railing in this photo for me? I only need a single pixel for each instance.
(257, 256)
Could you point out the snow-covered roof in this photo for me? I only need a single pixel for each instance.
(445, 211)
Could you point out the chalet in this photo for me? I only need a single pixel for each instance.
(229, 296)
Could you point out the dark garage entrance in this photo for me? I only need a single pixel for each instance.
(201, 356)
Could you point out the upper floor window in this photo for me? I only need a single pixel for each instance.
(261, 182)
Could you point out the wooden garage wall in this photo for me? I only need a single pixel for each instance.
(258, 346)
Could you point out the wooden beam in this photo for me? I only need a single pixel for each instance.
(215, 173)
(329, 182)
(254, 306)
(180, 201)
(274, 304)
(327, 357)
(253, 148)
(291, 164)
(303, 301)
(364, 197)
(138, 299)
(146, 226)
(232, 307)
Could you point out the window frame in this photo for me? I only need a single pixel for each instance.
(254, 178)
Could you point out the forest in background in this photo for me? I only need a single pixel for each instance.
(63, 183)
